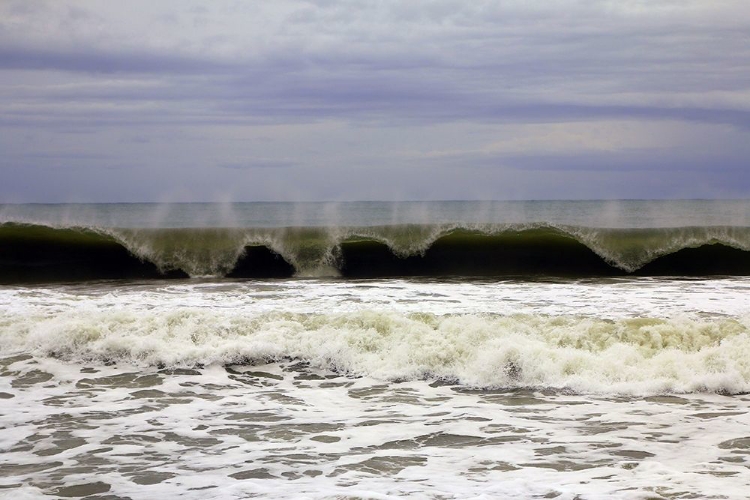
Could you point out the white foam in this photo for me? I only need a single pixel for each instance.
(271, 417)
(610, 337)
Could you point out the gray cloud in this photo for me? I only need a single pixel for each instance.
(258, 163)
(328, 80)
(87, 60)
(603, 161)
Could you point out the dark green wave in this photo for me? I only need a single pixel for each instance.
(468, 253)
(36, 253)
(30, 253)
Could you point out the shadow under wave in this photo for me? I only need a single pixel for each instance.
(706, 260)
(261, 262)
(464, 253)
(40, 254)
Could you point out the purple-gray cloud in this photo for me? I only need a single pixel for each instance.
(346, 88)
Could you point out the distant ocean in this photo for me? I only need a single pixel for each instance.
(530, 349)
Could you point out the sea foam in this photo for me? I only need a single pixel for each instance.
(629, 356)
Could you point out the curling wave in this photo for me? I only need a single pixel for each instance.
(32, 252)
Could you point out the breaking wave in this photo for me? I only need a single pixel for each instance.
(627, 355)
(32, 252)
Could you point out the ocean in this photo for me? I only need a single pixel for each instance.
(530, 349)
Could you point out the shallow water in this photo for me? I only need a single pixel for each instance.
(288, 431)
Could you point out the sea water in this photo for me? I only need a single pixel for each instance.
(418, 385)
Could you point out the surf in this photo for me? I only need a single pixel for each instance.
(583, 354)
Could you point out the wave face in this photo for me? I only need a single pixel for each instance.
(32, 252)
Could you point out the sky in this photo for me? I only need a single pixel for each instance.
(181, 100)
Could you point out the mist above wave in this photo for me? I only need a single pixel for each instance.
(591, 213)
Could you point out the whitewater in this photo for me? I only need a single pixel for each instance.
(375, 350)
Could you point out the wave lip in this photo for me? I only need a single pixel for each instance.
(30, 252)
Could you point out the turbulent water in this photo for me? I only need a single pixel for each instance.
(376, 350)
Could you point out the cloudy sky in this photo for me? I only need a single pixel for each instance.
(378, 100)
